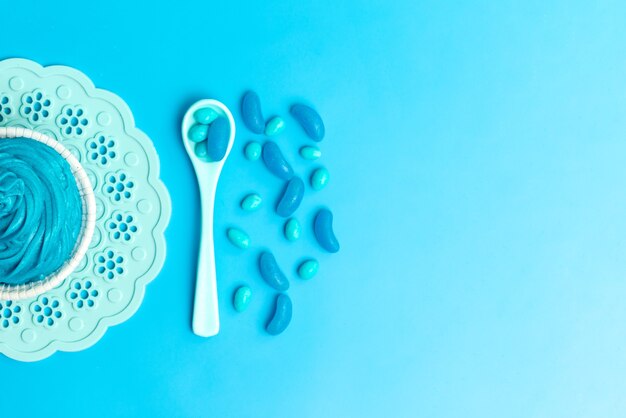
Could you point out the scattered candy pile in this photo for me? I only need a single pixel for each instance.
(291, 198)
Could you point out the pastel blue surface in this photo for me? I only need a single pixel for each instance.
(477, 160)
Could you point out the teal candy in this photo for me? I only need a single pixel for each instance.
(251, 202)
(217, 139)
(253, 151)
(205, 115)
(293, 229)
(40, 211)
(308, 269)
(274, 126)
(319, 178)
(310, 153)
(281, 318)
(242, 298)
(238, 238)
(198, 132)
(201, 150)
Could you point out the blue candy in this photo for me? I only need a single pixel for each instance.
(271, 273)
(217, 139)
(251, 112)
(282, 315)
(310, 121)
(291, 197)
(275, 162)
(323, 228)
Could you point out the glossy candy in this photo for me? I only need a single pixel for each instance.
(308, 269)
(271, 273)
(241, 298)
(293, 230)
(323, 229)
(217, 139)
(310, 153)
(251, 112)
(201, 150)
(291, 197)
(282, 315)
(238, 238)
(205, 115)
(319, 178)
(275, 162)
(310, 121)
(198, 132)
(253, 151)
(274, 126)
(251, 202)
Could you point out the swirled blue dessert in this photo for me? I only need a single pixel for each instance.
(40, 211)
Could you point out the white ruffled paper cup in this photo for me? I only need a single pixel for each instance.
(32, 289)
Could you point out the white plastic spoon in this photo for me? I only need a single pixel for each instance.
(205, 322)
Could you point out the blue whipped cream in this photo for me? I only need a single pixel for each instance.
(40, 211)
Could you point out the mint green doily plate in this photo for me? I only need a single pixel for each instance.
(133, 210)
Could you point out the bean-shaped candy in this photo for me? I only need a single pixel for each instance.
(205, 115)
(197, 132)
(282, 315)
(271, 273)
(274, 126)
(308, 269)
(217, 139)
(238, 238)
(323, 229)
(310, 121)
(275, 162)
(291, 197)
(293, 230)
(251, 112)
(319, 178)
(241, 298)
(310, 153)
(251, 202)
(253, 151)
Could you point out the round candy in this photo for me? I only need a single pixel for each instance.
(308, 269)
(238, 238)
(205, 115)
(197, 132)
(310, 153)
(253, 151)
(241, 298)
(319, 178)
(293, 230)
(251, 202)
(274, 126)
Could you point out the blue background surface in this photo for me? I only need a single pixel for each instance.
(477, 158)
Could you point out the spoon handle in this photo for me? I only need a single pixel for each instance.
(206, 322)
